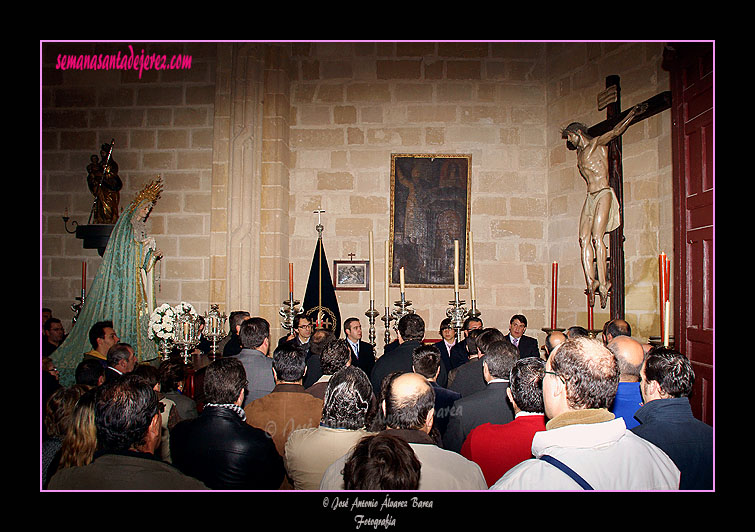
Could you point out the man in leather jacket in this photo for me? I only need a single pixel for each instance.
(219, 447)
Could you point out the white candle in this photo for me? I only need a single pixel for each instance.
(456, 266)
(387, 277)
(372, 270)
(471, 269)
(666, 323)
(401, 276)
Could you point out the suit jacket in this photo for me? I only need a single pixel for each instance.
(487, 406)
(287, 408)
(259, 373)
(444, 401)
(459, 354)
(366, 358)
(314, 370)
(468, 378)
(445, 354)
(527, 346)
(398, 359)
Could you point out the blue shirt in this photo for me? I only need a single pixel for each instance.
(628, 400)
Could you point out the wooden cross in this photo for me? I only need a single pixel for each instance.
(611, 100)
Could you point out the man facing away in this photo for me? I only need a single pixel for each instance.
(219, 447)
(408, 408)
(495, 447)
(583, 445)
(666, 417)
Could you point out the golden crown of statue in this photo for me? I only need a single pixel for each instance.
(150, 192)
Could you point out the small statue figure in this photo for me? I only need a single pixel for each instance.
(601, 212)
(105, 185)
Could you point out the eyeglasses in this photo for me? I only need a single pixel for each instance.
(554, 374)
(307, 326)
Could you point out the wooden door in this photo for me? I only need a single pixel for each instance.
(691, 71)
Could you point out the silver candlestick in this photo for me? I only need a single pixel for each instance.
(186, 334)
(288, 310)
(401, 310)
(457, 312)
(372, 314)
(214, 327)
(387, 318)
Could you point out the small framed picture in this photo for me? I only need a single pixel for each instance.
(351, 274)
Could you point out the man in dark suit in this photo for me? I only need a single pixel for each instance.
(362, 353)
(468, 378)
(448, 335)
(411, 331)
(489, 405)
(426, 362)
(526, 345)
(460, 352)
(120, 360)
(302, 330)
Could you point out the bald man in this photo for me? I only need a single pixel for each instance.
(408, 408)
(552, 342)
(630, 355)
(615, 328)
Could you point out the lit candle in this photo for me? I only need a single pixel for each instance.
(387, 277)
(401, 277)
(290, 277)
(471, 269)
(554, 295)
(456, 266)
(372, 269)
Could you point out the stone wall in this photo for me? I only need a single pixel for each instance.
(254, 137)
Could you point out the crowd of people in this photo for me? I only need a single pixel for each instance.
(492, 411)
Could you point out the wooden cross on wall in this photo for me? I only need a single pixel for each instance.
(611, 100)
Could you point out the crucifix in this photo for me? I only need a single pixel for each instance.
(599, 162)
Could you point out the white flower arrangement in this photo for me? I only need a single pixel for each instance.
(161, 323)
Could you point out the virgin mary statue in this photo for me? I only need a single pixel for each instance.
(122, 289)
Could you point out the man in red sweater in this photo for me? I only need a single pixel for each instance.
(498, 448)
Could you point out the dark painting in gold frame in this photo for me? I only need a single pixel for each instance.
(430, 207)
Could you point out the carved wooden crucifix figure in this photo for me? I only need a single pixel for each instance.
(599, 162)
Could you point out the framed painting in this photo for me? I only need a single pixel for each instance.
(430, 200)
(351, 274)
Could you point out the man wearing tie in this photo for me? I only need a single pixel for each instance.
(362, 353)
(526, 345)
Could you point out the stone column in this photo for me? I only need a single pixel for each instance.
(250, 192)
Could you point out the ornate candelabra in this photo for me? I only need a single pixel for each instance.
(372, 314)
(165, 347)
(214, 327)
(186, 334)
(288, 310)
(458, 313)
(403, 307)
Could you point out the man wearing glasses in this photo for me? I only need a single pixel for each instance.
(302, 328)
(584, 446)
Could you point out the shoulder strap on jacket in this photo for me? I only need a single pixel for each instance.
(568, 470)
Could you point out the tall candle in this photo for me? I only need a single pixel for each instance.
(372, 269)
(401, 278)
(290, 277)
(663, 287)
(471, 269)
(589, 317)
(667, 307)
(554, 295)
(83, 276)
(387, 277)
(456, 266)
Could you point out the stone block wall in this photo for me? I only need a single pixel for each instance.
(162, 123)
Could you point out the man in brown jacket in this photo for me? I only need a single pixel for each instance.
(288, 407)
